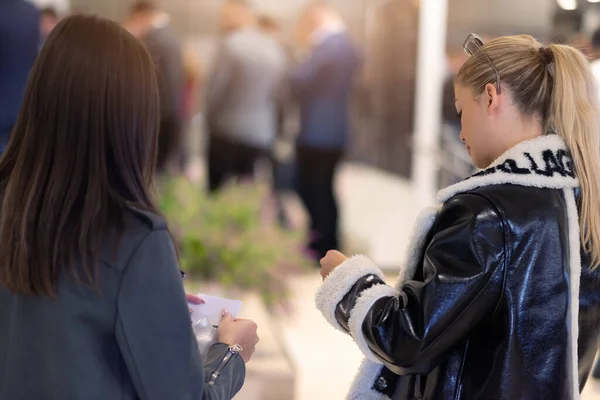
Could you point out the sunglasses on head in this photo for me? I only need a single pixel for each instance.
(473, 45)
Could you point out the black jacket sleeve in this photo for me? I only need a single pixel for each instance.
(154, 331)
(461, 283)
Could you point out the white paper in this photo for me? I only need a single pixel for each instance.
(213, 308)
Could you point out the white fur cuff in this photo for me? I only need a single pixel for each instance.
(339, 283)
(362, 387)
(359, 312)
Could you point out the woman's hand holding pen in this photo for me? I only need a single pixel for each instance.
(238, 331)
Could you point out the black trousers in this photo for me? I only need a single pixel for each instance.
(169, 142)
(316, 171)
(227, 160)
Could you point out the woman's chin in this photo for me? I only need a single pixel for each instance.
(478, 163)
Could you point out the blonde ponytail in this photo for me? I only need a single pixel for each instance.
(574, 114)
(556, 84)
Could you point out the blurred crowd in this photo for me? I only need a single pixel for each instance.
(264, 97)
(269, 96)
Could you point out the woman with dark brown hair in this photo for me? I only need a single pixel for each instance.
(92, 304)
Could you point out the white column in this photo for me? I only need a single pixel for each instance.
(431, 67)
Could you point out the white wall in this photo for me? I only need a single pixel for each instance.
(496, 17)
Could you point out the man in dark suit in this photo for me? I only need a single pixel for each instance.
(322, 86)
(19, 40)
(152, 26)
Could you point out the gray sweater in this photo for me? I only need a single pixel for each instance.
(131, 339)
(244, 88)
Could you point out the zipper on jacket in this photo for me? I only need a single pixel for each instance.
(458, 391)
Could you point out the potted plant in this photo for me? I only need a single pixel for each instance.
(229, 239)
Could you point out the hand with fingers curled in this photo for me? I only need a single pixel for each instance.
(238, 331)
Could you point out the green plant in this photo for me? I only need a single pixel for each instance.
(228, 238)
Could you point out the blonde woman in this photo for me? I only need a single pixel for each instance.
(499, 297)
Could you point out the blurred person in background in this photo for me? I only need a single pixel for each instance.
(321, 85)
(194, 82)
(271, 26)
(48, 20)
(242, 95)
(283, 154)
(581, 41)
(498, 295)
(19, 45)
(455, 164)
(92, 303)
(151, 25)
(595, 63)
(193, 91)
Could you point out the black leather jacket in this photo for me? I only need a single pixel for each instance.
(486, 313)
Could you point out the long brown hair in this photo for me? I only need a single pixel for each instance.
(555, 84)
(82, 151)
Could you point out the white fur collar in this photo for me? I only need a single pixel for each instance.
(543, 162)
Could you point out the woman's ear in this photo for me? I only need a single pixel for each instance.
(492, 98)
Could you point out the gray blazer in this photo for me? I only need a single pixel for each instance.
(244, 88)
(131, 339)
